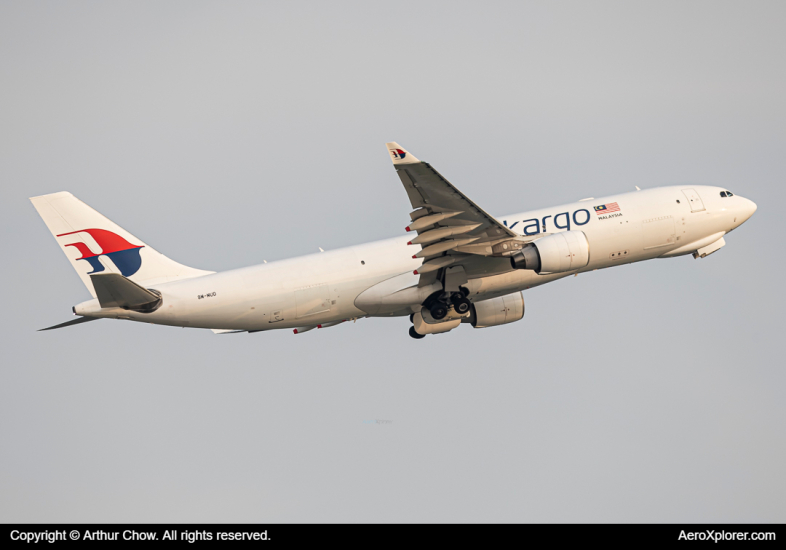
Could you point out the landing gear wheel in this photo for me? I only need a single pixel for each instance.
(411, 317)
(414, 334)
(438, 311)
(461, 304)
(464, 290)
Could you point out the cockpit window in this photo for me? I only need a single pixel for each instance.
(723, 193)
(726, 194)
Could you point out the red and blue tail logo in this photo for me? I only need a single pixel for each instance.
(122, 253)
(398, 153)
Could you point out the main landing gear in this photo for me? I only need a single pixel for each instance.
(438, 305)
(461, 303)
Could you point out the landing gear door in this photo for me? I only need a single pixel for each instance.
(694, 200)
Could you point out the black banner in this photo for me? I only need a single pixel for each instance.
(161, 534)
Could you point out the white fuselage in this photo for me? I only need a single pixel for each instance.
(332, 286)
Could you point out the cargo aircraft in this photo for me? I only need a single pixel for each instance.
(454, 264)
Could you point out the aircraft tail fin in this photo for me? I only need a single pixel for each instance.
(95, 244)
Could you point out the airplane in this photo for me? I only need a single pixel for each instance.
(455, 264)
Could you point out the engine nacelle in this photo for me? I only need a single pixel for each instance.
(423, 328)
(556, 253)
(497, 311)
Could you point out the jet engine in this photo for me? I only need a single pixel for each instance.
(556, 253)
(497, 311)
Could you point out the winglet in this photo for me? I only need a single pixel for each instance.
(399, 155)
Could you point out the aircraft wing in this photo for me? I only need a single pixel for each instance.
(451, 229)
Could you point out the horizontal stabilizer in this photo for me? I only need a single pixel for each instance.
(114, 290)
(71, 322)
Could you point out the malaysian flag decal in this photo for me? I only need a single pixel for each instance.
(607, 208)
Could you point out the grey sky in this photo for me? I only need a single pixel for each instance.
(226, 133)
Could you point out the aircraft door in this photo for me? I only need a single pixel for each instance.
(696, 204)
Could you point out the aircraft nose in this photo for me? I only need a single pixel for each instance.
(748, 208)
